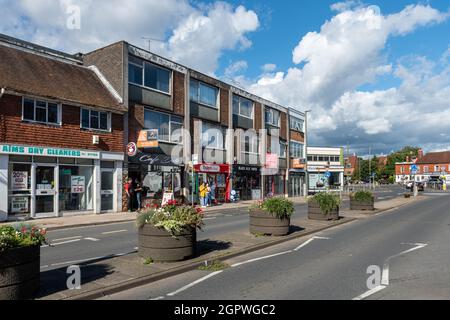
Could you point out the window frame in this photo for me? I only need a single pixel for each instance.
(201, 83)
(214, 127)
(170, 126)
(302, 149)
(47, 102)
(109, 120)
(142, 66)
(271, 110)
(239, 107)
(295, 119)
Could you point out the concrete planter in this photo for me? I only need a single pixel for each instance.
(160, 245)
(20, 273)
(362, 205)
(315, 213)
(262, 222)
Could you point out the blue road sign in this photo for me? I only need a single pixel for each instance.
(414, 169)
(327, 174)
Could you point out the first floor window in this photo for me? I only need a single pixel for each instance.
(95, 120)
(242, 107)
(40, 111)
(168, 126)
(297, 151)
(213, 136)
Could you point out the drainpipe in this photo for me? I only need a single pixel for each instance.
(2, 92)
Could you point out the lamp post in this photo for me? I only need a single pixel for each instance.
(306, 153)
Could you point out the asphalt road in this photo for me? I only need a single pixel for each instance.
(78, 245)
(407, 247)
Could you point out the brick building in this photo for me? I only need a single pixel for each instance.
(351, 165)
(61, 135)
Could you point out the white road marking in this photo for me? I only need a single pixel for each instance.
(65, 242)
(309, 241)
(385, 274)
(258, 259)
(212, 218)
(112, 232)
(369, 293)
(92, 239)
(44, 267)
(64, 239)
(155, 299)
(87, 260)
(194, 283)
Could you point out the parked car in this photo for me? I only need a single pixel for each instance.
(420, 185)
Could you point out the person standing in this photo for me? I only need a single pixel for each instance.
(130, 193)
(138, 195)
(203, 193)
(213, 193)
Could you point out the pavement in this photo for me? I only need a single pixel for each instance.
(113, 264)
(402, 253)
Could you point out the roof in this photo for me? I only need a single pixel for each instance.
(435, 158)
(39, 75)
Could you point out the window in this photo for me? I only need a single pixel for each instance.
(425, 169)
(249, 143)
(283, 147)
(169, 127)
(41, 111)
(297, 124)
(203, 93)
(242, 107)
(213, 136)
(148, 75)
(297, 151)
(273, 117)
(436, 168)
(95, 120)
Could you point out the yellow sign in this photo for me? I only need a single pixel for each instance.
(148, 139)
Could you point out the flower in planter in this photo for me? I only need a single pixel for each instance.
(362, 196)
(279, 207)
(326, 201)
(23, 235)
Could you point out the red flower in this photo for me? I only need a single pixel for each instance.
(43, 232)
(24, 230)
(199, 210)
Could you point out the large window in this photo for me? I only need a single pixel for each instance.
(273, 117)
(297, 150)
(95, 120)
(297, 124)
(203, 93)
(169, 127)
(319, 158)
(213, 136)
(282, 151)
(148, 75)
(41, 111)
(242, 107)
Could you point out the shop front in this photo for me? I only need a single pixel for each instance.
(217, 176)
(49, 182)
(247, 182)
(159, 175)
(297, 179)
(275, 184)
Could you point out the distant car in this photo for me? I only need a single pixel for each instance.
(383, 182)
(420, 185)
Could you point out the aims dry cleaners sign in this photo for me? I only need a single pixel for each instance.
(47, 152)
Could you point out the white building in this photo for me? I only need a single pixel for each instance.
(325, 169)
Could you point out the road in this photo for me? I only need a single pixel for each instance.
(78, 245)
(407, 247)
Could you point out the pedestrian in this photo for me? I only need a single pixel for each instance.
(208, 195)
(203, 193)
(213, 193)
(130, 193)
(138, 191)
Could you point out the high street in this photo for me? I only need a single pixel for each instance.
(409, 246)
(77, 245)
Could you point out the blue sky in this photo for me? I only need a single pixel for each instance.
(378, 78)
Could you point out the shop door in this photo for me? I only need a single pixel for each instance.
(45, 191)
(296, 186)
(107, 191)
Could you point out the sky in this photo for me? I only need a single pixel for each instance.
(375, 74)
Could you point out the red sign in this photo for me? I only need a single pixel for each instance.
(212, 168)
(272, 161)
(132, 149)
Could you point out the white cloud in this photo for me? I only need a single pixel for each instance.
(236, 67)
(347, 53)
(196, 35)
(269, 67)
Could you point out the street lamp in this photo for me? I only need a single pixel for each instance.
(306, 152)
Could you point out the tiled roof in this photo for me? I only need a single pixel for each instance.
(435, 158)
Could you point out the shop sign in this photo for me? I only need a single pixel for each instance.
(19, 180)
(299, 164)
(212, 168)
(19, 204)
(78, 184)
(272, 161)
(148, 139)
(47, 152)
(132, 149)
(247, 168)
(168, 196)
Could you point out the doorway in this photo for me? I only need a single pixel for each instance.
(45, 191)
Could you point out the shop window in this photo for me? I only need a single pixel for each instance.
(66, 160)
(203, 93)
(19, 188)
(75, 188)
(95, 120)
(23, 159)
(41, 111)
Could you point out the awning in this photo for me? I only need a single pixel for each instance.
(156, 159)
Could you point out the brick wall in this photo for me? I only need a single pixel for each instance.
(178, 93)
(297, 136)
(135, 121)
(283, 126)
(224, 107)
(258, 116)
(69, 135)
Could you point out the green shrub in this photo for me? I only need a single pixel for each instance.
(279, 207)
(362, 196)
(326, 201)
(21, 235)
(172, 218)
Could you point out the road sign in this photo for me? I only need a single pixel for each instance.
(414, 169)
(327, 174)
